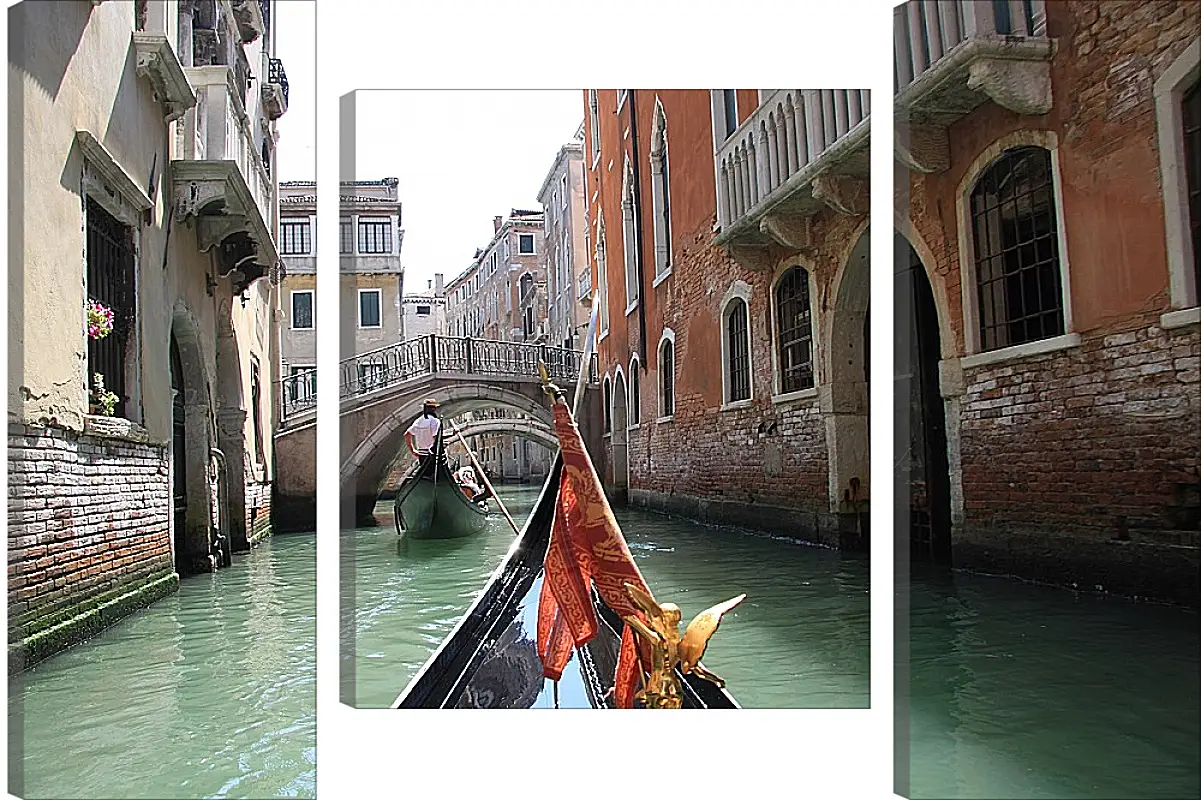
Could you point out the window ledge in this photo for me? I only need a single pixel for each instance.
(736, 404)
(1180, 318)
(662, 276)
(631, 308)
(795, 397)
(608, 435)
(1018, 351)
(634, 427)
(667, 418)
(103, 427)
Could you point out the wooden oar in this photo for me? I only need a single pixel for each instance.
(484, 477)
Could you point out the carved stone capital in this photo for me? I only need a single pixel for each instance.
(923, 148)
(249, 16)
(843, 193)
(275, 102)
(794, 232)
(1021, 86)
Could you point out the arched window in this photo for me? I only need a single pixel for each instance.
(667, 378)
(629, 235)
(660, 191)
(607, 397)
(1191, 119)
(1019, 293)
(794, 331)
(635, 394)
(602, 277)
(737, 351)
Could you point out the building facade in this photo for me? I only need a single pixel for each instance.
(502, 296)
(728, 236)
(565, 255)
(298, 328)
(424, 313)
(370, 238)
(1047, 237)
(140, 433)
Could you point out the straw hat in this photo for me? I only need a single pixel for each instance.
(431, 403)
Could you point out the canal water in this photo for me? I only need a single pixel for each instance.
(1024, 691)
(207, 693)
(799, 640)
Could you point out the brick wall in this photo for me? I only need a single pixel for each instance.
(1080, 467)
(258, 510)
(87, 518)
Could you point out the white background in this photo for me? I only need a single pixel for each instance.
(479, 45)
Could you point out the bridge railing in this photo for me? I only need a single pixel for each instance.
(401, 362)
(298, 393)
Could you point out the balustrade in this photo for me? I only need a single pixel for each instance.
(790, 130)
(399, 363)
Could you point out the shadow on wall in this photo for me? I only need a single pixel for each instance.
(45, 57)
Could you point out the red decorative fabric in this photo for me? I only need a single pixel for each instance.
(586, 547)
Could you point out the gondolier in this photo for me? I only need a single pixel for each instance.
(422, 435)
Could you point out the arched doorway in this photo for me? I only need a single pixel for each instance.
(847, 418)
(179, 464)
(923, 477)
(621, 466)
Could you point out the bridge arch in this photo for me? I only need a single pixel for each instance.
(367, 465)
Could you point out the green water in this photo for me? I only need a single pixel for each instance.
(1023, 691)
(207, 693)
(799, 640)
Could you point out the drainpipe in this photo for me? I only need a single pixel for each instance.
(222, 542)
(638, 231)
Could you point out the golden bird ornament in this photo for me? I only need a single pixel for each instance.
(668, 649)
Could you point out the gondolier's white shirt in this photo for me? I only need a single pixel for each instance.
(425, 431)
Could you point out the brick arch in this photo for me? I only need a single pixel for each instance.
(367, 464)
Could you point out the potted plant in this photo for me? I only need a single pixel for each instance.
(100, 320)
(104, 402)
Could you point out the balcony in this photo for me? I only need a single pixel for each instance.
(801, 150)
(252, 17)
(275, 90)
(952, 56)
(219, 181)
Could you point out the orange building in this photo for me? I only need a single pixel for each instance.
(1049, 264)
(728, 232)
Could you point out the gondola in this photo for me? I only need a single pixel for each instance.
(429, 503)
(490, 659)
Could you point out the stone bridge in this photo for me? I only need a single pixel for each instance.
(382, 391)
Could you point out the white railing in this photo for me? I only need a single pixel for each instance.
(219, 129)
(925, 31)
(790, 130)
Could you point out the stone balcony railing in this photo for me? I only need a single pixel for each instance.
(952, 56)
(219, 176)
(799, 149)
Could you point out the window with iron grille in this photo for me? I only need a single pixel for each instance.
(794, 331)
(346, 235)
(738, 351)
(1191, 114)
(110, 281)
(296, 237)
(375, 235)
(1018, 291)
(302, 309)
(667, 370)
